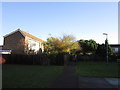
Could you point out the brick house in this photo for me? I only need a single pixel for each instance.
(115, 48)
(21, 42)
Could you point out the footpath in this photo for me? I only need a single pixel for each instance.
(68, 79)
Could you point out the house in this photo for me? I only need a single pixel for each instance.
(21, 42)
(1, 46)
(5, 51)
(115, 48)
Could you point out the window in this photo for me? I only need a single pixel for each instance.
(116, 50)
(33, 45)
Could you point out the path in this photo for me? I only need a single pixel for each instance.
(91, 82)
(68, 79)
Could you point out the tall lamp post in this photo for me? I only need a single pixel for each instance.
(106, 45)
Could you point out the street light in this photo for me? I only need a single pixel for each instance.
(106, 45)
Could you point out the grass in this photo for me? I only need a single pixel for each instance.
(98, 69)
(29, 76)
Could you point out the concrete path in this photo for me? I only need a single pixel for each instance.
(89, 82)
(115, 82)
(68, 79)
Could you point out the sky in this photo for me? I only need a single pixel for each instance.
(84, 20)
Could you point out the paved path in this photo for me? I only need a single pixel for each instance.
(68, 79)
(89, 82)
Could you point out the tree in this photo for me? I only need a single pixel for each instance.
(61, 44)
(88, 46)
(101, 50)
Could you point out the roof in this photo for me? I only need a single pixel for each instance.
(115, 45)
(31, 36)
(26, 34)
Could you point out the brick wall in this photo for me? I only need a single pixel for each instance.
(14, 42)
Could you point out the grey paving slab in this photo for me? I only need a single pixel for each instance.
(89, 82)
(113, 81)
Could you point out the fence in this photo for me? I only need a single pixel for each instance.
(95, 58)
(43, 59)
(52, 59)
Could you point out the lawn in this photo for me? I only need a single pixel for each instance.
(98, 69)
(29, 76)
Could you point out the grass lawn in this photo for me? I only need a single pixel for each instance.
(98, 69)
(29, 76)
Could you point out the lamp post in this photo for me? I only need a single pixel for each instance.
(106, 45)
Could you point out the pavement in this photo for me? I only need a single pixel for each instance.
(68, 79)
(89, 82)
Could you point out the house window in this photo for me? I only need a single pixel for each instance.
(33, 45)
(116, 50)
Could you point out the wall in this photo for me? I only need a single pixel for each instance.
(32, 44)
(14, 42)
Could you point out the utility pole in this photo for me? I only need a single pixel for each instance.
(106, 41)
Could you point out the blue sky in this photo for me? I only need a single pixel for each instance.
(84, 20)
